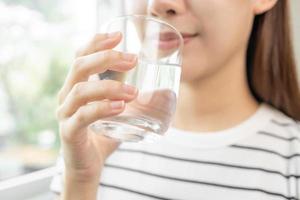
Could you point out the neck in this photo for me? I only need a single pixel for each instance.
(215, 103)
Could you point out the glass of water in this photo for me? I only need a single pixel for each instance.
(156, 75)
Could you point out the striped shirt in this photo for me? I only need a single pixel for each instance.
(257, 159)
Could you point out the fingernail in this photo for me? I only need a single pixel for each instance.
(117, 105)
(114, 34)
(129, 57)
(130, 89)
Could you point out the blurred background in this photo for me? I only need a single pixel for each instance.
(38, 40)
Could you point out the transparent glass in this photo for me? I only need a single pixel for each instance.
(156, 75)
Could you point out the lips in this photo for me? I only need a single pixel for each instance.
(169, 40)
(187, 37)
(167, 36)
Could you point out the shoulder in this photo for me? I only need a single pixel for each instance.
(283, 124)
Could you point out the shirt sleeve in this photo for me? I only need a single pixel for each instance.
(294, 180)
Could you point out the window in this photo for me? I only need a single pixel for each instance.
(37, 39)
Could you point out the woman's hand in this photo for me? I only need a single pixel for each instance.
(82, 102)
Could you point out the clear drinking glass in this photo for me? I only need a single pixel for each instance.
(157, 76)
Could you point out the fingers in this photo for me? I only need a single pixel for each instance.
(100, 42)
(92, 112)
(86, 92)
(100, 62)
(96, 63)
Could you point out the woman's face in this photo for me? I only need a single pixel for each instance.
(216, 32)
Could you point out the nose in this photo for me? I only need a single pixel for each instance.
(166, 8)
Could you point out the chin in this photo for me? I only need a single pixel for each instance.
(189, 76)
(190, 72)
(196, 75)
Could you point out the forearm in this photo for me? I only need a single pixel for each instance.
(76, 189)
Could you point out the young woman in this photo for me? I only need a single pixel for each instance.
(235, 134)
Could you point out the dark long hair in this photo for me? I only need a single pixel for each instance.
(271, 66)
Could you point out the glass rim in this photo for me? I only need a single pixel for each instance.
(146, 17)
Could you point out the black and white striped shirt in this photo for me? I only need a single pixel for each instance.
(258, 159)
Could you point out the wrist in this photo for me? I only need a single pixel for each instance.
(83, 177)
(78, 187)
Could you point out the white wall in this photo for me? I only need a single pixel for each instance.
(295, 8)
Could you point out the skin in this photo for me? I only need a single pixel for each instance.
(214, 94)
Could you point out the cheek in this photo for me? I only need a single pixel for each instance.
(228, 29)
(226, 23)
